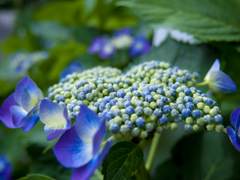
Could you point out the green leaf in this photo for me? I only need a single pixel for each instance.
(36, 177)
(201, 156)
(210, 20)
(123, 159)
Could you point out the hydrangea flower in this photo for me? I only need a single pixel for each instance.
(235, 135)
(218, 81)
(55, 118)
(123, 31)
(102, 46)
(20, 109)
(5, 169)
(140, 46)
(80, 146)
(74, 67)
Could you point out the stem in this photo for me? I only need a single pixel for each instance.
(142, 173)
(98, 174)
(153, 150)
(104, 142)
(143, 143)
(201, 84)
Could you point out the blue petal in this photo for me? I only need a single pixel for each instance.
(85, 172)
(107, 50)
(74, 67)
(96, 45)
(28, 101)
(34, 119)
(52, 114)
(31, 87)
(235, 116)
(219, 82)
(232, 136)
(18, 114)
(123, 31)
(5, 173)
(71, 151)
(97, 140)
(139, 46)
(5, 113)
(215, 67)
(87, 124)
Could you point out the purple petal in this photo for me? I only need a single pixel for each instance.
(107, 50)
(235, 116)
(5, 174)
(71, 151)
(85, 172)
(34, 119)
(74, 67)
(18, 114)
(31, 87)
(5, 113)
(52, 114)
(96, 45)
(219, 82)
(97, 140)
(123, 31)
(232, 136)
(215, 67)
(87, 124)
(139, 46)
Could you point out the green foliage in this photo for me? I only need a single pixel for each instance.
(201, 156)
(98, 14)
(210, 20)
(36, 177)
(123, 159)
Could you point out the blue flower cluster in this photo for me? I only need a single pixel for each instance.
(122, 39)
(21, 62)
(150, 97)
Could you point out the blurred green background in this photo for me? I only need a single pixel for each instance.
(65, 29)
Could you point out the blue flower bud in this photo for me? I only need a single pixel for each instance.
(116, 112)
(188, 128)
(187, 91)
(129, 124)
(109, 115)
(166, 109)
(175, 86)
(145, 93)
(136, 93)
(86, 90)
(196, 75)
(157, 113)
(81, 96)
(181, 107)
(160, 103)
(186, 112)
(208, 101)
(135, 132)
(127, 98)
(163, 120)
(113, 95)
(148, 111)
(208, 119)
(174, 92)
(120, 93)
(139, 103)
(61, 98)
(188, 99)
(127, 103)
(149, 127)
(70, 107)
(164, 99)
(152, 88)
(148, 98)
(160, 91)
(114, 128)
(174, 113)
(179, 118)
(218, 119)
(196, 114)
(190, 106)
(129, 110)
(140, 122)
(139, 110)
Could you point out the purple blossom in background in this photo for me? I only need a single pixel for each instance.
(140, 46)
(5, 169)
(235, 135)
(55, 118)
(218, 81)
(123, 31)
(74, 67)
(80, 146)
(102, 46)
(20, 109)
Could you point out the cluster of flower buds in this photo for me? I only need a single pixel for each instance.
(149, 98)
(21, 62)
(122, 39)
